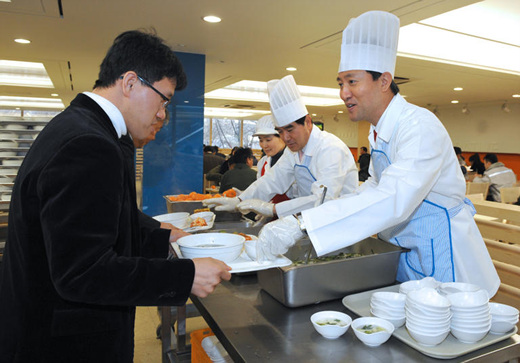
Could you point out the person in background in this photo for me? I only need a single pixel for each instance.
(225, 165)
(75, 262)
(313, 159)
(476, 164)
(240, 175)
(364, 163)
(497, 175)
(217, 152)
(415, 196)
(210, 159)
(460, 158)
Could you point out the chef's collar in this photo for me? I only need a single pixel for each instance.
(386, 124)
(313, 141)
(116, 117)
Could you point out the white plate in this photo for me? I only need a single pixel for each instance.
(450, 348)
(197, 229)
(244, 264)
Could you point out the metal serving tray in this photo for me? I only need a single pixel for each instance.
(302, 285)
(190, 206)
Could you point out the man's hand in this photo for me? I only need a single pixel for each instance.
(175, 233)
(277, 237)
(222, 204)
(208, 274)
(257, 206)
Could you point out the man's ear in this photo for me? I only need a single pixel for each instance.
(386, 81)
(129, 80)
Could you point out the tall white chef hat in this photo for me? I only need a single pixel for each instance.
(370, 43)
(265, 126)
(286, 101)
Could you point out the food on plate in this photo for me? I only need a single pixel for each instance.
(230, 193)
(370, 329)
(340, 256)
(194, 196)
(331, 321)
(201, 210)
(198, 222)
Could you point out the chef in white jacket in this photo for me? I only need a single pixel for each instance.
(415, 195)
(312, 159)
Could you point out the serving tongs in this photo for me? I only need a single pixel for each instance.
(311, 247)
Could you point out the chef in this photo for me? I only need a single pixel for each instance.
(313, 159)
(415, 195)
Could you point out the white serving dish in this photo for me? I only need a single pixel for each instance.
(179, 219)
(497, 309)
(501, 327)
(331, 331)
(221, 246)
(208, 216)
(373, 339)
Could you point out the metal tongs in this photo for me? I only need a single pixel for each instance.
(321, 202)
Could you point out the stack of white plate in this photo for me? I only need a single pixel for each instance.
(503, 318)
(448, 288)
(471, 320)
(412, 285)
(389, 306)
(428, 316)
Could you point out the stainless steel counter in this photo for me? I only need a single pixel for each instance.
(254, 327)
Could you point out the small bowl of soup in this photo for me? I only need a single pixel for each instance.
(372, 331)
(331, 324)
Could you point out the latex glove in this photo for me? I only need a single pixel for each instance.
(222, 204)
(277, 237)
(238, 191)
(256, 205)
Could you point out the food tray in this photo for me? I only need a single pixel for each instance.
(302, 285)
(450, 348)
(190, 206)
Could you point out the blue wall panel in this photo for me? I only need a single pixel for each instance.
(173, 161)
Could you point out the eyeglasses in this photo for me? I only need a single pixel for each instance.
(166, 99)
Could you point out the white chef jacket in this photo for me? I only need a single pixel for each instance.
(423, 165)
(331, 163)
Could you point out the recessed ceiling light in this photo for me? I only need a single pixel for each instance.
(28, 102)
(516, 96)
(340, 111)
(314, 114)
(24, 74)
(458, 89)
(454, 101)
(54, 94)
(231, 112)
(22, 41)
(212, 19)
(290, 69)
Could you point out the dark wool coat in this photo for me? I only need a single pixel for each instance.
(76, 261)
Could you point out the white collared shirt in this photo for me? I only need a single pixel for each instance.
(116, 117)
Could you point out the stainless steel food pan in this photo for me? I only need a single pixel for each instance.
(308, 284)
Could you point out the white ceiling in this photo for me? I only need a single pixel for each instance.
(256, 40)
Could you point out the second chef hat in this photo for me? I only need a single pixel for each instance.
(265, 126)
(370, 43)
(286, 101)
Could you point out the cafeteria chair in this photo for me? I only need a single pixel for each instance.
(509, 195)
(476, 188)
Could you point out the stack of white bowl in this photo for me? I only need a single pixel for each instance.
(427, 316)
(503, 318)
(412, 285)
(448, 288)
(389, 306)
(471, 320)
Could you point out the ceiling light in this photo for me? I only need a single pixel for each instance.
(231, 112)
(465, 110)
(505, 108)
(31, 102)
(54, 94)
(22, 41)
(256, 91)
(454, 101)
(314, 114)
(458, 89)
(340, 111)
(25, 74)
(516, 96)
(212, 19)
(291, 69)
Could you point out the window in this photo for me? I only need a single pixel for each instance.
(228, 133)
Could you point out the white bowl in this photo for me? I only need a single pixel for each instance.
(501, 327)
(331, 324)
(422, 311)
(396, 321)
(447, 288)
(428, 340)
(411, 285)
(429, 298)
(477, 325)
(466, 300)
(469, 336)
(221, 246)
(428, 325)
(392, 299)
(384, 308)
(178, 219)
(497, 309)
(208, 216)
(373, 339)
(250, 247)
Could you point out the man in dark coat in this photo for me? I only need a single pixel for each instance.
(364, 163)
(76, 260)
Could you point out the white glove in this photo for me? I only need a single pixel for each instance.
(277, 237)
(222, 204)
(256, 205)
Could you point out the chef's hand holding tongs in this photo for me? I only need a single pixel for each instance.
(277, 237)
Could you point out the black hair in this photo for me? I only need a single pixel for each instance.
(393, 86)
(458, 150)
(241, 155)
(301, 121)
(491, 158)
(144, 53)
(208, 149)
(364, 149)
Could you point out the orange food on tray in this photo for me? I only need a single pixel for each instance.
(247, 237)
(198, 222)
(194, 196)
(230, 193)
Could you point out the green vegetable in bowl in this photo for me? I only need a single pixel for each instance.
(331, 322)
(371, 329)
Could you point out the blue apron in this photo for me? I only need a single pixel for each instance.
(304, 177)
(427, 233)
